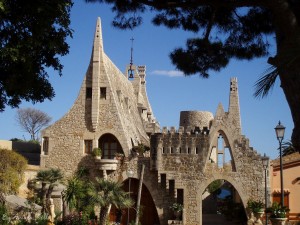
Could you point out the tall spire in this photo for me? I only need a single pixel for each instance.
(97, 57)
(98, 42)
(234, 105)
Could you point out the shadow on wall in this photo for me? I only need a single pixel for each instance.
(30, 150)
(88, 162)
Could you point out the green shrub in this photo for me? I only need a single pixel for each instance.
(255, 206)
(12, 170)
(277, 211)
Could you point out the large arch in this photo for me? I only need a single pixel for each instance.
(149, 215)
(219, 176)
(221, 203)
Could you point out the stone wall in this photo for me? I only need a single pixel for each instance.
(193, 172)
(29, 174)
(6, 144)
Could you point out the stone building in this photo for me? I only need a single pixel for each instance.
(112, 112)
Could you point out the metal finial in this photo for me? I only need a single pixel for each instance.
(131, 60)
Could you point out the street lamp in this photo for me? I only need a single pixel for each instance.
(279, 129)
(265, 162)
(129, 175)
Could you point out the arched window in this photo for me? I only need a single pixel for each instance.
(109, 145)
(221, 153)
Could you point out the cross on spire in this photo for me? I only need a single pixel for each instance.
(131, 60)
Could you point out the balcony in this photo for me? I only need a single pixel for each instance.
(107, 164)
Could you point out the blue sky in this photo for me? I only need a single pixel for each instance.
(169, 92)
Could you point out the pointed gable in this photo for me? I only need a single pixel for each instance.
(220, 112)
(107, 104)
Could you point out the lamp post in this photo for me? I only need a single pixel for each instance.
(129, 175)
(279, 129)
(265, 162)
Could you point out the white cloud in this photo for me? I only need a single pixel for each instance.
(169, 73)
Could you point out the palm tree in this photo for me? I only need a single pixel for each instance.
(43, 176)
(49, 179)
(78, 192)
(73, 192)
(110, 193)
(56, 177)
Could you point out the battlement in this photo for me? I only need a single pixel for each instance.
(189, 130)
(141, 70)
(182, 141)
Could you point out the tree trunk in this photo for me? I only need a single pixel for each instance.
(288, 64)
(43, 197)
(290, 84)
(103, 215)
(49, 192)
(287, 60)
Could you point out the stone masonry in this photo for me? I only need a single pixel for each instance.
(182, 162)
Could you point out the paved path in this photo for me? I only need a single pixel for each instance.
(216, 219)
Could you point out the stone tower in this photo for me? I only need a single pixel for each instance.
(234, 105)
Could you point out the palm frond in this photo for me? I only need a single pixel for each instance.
(265, 84)
(110, 192)
(288, 148)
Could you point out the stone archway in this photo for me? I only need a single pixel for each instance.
(240, 196)
(222, 204)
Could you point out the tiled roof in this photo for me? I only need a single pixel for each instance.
(294, 157)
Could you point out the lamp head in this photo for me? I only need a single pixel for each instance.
(279, 129)
(265, 161)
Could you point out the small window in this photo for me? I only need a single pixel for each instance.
(88, 146)
(103, 92)
(88, 93)
(46, 145)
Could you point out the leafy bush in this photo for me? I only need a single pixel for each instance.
(215, 187)
(97, 152)
(177, 207)
(75, 219)
(12, 170)
(277, 211)
(255, 206)
(4, 217)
